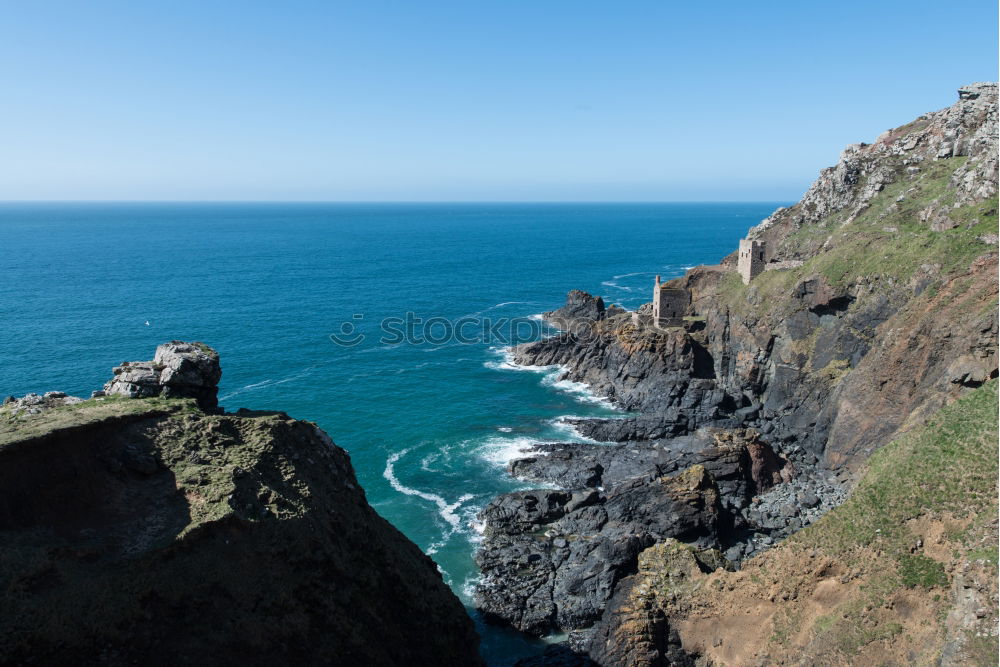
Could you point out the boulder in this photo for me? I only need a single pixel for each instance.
(178, 370)
(580, 307)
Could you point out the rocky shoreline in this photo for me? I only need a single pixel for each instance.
(750, 416)
(552, 558)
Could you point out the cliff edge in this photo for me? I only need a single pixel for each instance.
(149, 531)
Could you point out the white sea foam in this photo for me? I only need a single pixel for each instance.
(417, 367)
(258, 384)
(474, 528)
(611, 283)
(504, 429)
(248, 387)
(512, 303)
(436, 348)
(507, 363)
(469, 587)
(560, 424)
(440, 454)
(445, 509)
(502, 304)
(268, 383)
(501, 451)
(478, 527)
(637, 273)
(427, 461)
(578, 390)
(538, 317)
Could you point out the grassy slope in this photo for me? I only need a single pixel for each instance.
(18, 426)
(948, 466)
(887, 241)
(944, 473)
(883, 578)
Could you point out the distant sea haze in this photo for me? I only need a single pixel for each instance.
(429, 426)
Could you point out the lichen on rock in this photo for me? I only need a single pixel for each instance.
(178, 370)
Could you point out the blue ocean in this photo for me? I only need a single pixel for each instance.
(384, 323)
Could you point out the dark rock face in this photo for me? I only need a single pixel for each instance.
(580, 308)
(551, 559)
(635, 630)
(150, 532)
(740, 464)
(178, 370)
(632, 427)
(667, 373)
(723, 372)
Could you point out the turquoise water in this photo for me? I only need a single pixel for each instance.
(428, 424)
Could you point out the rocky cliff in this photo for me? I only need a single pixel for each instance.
(149, 531)
(876, 308)
(904, 572)
(880, 303)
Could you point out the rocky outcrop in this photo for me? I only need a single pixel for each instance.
(877, 306)
(178, 370)
(966, 129)
(635, 630)
(740, 464)
(634, 365)
(551, 559)
(579, 306)
(148, 531)
(886, 578)
(874, 316)
(34, 403)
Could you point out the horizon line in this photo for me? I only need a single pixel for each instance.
(391, 201)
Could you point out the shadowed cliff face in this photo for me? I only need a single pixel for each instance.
(144, 531)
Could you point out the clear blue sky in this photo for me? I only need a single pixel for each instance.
(465, 100)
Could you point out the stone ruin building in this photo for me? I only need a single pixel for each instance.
(669, 305)
(751, 259)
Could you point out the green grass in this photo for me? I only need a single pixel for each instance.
(18, 426)
(841, 253)
(981, 651)
(946, 469)
(919, 570)
(205, 348)
(989, 554)
(948, 466)
(849, 630)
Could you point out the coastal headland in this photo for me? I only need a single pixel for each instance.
(863, 315)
